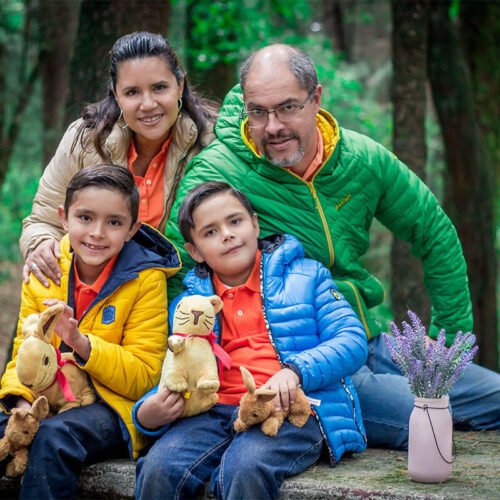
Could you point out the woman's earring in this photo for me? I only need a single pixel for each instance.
(179, 104)
(123, 119)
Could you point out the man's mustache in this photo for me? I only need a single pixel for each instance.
(280, 135)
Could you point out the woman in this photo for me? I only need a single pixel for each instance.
(149, 121)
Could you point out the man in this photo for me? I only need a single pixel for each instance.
(307, 176)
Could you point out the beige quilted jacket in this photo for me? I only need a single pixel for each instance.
(43, 222)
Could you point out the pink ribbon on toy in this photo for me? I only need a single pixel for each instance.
(61, 378)
(219, 352)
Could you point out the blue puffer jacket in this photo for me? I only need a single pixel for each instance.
(312, 326)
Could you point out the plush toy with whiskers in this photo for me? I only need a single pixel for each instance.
(190, 366)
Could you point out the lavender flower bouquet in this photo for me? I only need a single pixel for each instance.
(433, 369)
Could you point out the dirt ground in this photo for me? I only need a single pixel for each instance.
(10, 295)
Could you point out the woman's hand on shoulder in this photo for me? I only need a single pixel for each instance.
(42, 263)
(160, 409)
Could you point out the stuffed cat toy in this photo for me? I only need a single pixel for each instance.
(190, 365)
(44, 370)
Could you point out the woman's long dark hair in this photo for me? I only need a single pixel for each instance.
(102, 115)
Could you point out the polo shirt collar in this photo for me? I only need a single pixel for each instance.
(252, 282)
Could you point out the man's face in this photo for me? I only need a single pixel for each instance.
(285, 144)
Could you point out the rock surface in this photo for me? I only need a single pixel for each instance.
(371, 475)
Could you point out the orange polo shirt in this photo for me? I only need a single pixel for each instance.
(244, 336)
(151, 186)
(84, 294)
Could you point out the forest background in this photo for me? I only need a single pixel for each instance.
(420, 76)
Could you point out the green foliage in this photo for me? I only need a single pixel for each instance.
(16, 197)
(11, 16)
(454, 9)
(20, 185)
(226, 31)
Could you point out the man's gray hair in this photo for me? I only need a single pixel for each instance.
(299, 63)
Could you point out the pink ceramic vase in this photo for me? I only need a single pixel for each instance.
(430, 441)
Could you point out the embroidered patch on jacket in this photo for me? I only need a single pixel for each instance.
(343, 201)
(108, 315)
(336, 295)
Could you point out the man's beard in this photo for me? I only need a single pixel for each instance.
(285, 162)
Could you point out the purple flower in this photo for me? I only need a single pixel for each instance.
(433, 369)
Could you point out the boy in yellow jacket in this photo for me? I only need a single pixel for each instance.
(113, 285)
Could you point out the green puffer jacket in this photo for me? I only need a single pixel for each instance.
(331, 215)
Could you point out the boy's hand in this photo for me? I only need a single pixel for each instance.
(161, 408)
(285, 383)
(67, 330)
(42, 263)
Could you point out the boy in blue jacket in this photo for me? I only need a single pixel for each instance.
(285, 321)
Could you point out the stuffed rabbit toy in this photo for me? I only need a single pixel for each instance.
(256, 407)
(44, 370)
(19, 433)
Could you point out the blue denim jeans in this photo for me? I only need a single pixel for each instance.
(64, 444)
(386, 400)
(247, 465)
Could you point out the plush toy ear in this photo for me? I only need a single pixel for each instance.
(49, 318)
(40, 408)
(248, 380)
(30, 327)
(265, 395)
(216, 301)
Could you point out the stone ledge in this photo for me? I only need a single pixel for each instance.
(375, 474)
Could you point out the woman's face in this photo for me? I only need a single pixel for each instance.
(148, 94)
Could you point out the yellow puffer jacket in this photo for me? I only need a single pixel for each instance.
(127, 354)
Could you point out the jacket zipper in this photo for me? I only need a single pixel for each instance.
(91, 306)
(319, 208)
(331, 453)
(99, 397)
(311, 187)
(354, 412)
(165, 216)
(361, 314)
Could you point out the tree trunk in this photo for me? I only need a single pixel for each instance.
(333, 21)
(409, 55)
(480, 35)
(216, 79)
(101, 24)
(58, 25)
(470, 190)
(28, 75)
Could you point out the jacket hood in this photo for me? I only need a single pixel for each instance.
(151, 248)
(147, 249)
(278, 251)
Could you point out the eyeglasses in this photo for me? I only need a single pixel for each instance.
(284, 113)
